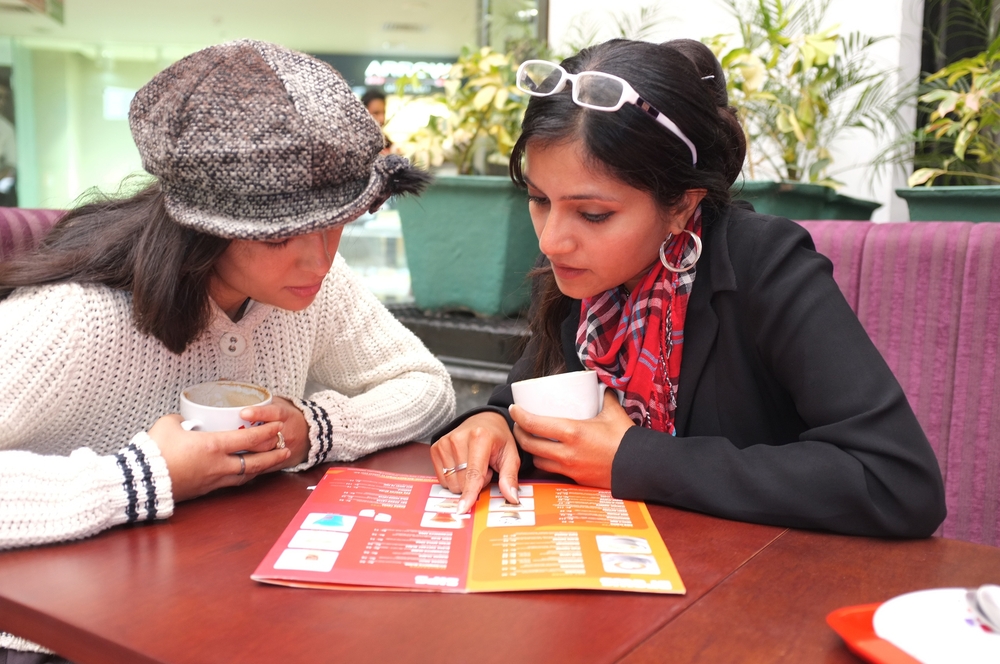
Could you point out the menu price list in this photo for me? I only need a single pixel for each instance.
(408, 548)
(540, 553)
(372, 493)
(591, 507)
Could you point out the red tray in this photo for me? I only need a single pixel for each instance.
(854, 625)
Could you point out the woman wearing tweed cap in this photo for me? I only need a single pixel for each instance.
(224, 268)
(749, 389)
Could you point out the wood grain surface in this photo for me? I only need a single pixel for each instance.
(774, 609)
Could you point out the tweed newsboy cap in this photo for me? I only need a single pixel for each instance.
(253, 141)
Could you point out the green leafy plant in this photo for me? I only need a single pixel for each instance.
(960, 143)
(483, 107)
(797, 86)
(483, 120)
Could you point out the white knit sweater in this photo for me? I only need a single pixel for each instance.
(79, 386)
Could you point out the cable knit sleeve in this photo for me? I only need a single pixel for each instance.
(44, 496)
(47, 499)
(386, 388)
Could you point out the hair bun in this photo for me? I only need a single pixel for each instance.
(706, 64)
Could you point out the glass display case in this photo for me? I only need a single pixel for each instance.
(373, 248)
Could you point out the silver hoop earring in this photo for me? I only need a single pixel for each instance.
(682, 268)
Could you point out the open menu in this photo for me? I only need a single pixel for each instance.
(372, 530)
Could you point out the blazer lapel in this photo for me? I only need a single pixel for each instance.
(701, 326)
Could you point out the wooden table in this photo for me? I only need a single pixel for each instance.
(180, 591)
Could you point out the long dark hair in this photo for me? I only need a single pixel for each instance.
(129, 244)
(678, 78)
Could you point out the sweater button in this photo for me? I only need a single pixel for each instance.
(233, 344)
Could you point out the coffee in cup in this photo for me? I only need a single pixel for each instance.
(216, 406)
(576, 395)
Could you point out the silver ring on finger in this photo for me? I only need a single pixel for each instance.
(450, 471)
(243, 466)
(281, 441)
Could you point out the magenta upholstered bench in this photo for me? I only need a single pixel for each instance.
(910, 299)
(21, 229)
(972, 470)
(841, 242)
(928, 293)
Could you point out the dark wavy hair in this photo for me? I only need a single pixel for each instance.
(682, 79)
(129, 244)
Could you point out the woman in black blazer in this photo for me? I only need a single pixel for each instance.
(749, 388)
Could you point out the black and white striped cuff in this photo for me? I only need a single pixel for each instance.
(319, 420)
(138, 484)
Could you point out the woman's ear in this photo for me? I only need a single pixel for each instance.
(682, 212)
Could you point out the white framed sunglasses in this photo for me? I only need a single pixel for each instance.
(594, 90)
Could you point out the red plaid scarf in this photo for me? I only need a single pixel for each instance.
(634, 340)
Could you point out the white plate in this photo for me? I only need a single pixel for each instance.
(935, 626)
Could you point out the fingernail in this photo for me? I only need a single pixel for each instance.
(246, 414)
(462, 507)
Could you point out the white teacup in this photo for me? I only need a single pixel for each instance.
(216, 406)
(576, 395)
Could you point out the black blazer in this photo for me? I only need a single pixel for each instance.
(787, 414)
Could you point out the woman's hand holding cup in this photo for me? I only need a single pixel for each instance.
(202, 461)
(583, 450)
(571, 423)
(294, 431)
(228, 433)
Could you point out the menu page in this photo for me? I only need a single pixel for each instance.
(367, 529)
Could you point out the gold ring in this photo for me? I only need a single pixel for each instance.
(281, 441)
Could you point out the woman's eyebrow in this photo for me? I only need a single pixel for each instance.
(574, 197)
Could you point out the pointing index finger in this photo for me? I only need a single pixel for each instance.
(477, 474)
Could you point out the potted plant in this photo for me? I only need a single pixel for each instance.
(469, 239)
(797, 86)
(958, 146)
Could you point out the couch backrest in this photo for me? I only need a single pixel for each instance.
(842, 242)
(928, 293)
(21, 229)
(909, 303)
(972, 470)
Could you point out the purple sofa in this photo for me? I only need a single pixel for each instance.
(22, 229)
(928, 293)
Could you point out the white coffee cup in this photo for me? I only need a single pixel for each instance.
(576, 395)
(216, 406)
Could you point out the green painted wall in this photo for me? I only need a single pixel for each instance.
(74, 146)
